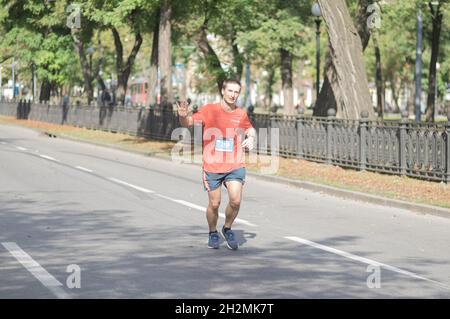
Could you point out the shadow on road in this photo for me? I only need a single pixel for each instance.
(124, 253)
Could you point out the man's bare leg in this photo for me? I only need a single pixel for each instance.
(212, 212)
(235, 195)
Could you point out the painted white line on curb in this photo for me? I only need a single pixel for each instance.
(49, 158)
(131, 185)
(21, 148)
(36, 270)
(84, 169)
(364, 260)
(203, 209)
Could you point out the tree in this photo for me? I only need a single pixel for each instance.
(378, 78)
(278, 29)
(219, 22)
(329, 92)
(114, 15)
(397, 41)
(165, 51)
(36, 35)
(210, 56)
(153, 73)
(348, 79)
(89, 73)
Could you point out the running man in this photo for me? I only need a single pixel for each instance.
(226, 131)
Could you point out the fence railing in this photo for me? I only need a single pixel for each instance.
(403, 147)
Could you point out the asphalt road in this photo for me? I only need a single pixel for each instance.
(134, 227)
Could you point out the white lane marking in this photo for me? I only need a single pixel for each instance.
(49, 158)
(185, 203)
(203, 209)
(3, 143)
(364, 260)
(240, 221)
(37, 270)
(167, 197)
(21, 148)
(131, 185)
(84, 169)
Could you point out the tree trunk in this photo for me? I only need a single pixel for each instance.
(437, 24)
(299, 84)
(393, 86)
(326, 98)
(410, 86)
(101, 82)
(32, 82)
(85, 68)
(361, 22)
(124, 70)
(268, 89)
(286, 80)
(164, 52)
(100, 66)
(350, 85)
(153, 78)
(379, 79)
(237, 56)
(120, 90)
(44, 95)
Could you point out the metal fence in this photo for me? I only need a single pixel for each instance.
(397, 147)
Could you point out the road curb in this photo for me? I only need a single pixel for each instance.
(422, 209)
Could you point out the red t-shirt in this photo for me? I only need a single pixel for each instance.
(223, 134)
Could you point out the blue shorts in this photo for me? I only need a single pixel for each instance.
(212, 181)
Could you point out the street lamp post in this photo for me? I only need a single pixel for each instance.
(435, 106)
(317, 13)
(418, 97)
(1, 84)
(13, 66)
(34, 82)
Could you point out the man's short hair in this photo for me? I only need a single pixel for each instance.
(230, 81)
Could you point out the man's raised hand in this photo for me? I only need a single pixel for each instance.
(249, 143)
(182, 108)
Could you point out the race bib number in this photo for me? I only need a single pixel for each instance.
(224, 145)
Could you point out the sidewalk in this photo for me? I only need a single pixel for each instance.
(412, 194)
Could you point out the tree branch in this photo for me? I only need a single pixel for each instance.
(119, 49)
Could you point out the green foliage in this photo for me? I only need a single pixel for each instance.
(397, 42)
(116, 13)
(34, 32)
